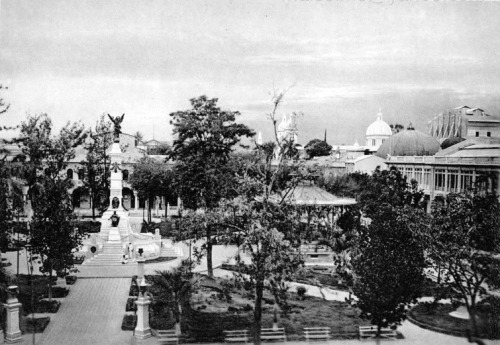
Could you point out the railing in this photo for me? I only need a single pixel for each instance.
(446, 160)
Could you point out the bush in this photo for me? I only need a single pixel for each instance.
(38, 326)
(45, 306)
(131, 306)
(89, 226)
(301, 291)
(58, 292)
(128, 322)
(70, 280)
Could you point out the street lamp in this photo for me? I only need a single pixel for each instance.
(30, 270)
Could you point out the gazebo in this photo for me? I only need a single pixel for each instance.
(308, 196)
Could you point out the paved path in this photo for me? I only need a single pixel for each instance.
(91, 314)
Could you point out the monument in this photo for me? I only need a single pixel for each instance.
(116, 240)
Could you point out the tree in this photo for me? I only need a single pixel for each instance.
(264, 223)
(396, 128)
(465, 242)
(97, 163)
(11, 198)
(151, 178)
(172, 289)
(389, 268)
(349, 185)
(206, 136)
(139, 137)
(317, 147)
(53, 235)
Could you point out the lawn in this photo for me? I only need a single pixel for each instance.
(212, 310)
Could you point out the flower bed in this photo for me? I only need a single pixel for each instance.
(36, 325)
(45, 306)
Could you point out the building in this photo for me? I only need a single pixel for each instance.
(377, 133)
(460, 164)
(464, 122)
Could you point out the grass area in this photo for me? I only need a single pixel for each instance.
(214, 308)
(437, 316)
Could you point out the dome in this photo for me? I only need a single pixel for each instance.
(450, 141)
(379, 127)
(409, 143)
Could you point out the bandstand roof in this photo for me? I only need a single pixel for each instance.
(311, 195)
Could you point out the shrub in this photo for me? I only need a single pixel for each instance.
(70, 280)
(89, 226)
(45, 306)
(36, 325)
(131, 306)
(128, 322)
(301, 291)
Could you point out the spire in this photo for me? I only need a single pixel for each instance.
(325, 136)
(379, 115)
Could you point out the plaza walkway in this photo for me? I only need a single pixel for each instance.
(93, 311)
(91, 314)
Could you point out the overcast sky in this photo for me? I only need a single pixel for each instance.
(341, 59)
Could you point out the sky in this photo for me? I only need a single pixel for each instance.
(340, 61)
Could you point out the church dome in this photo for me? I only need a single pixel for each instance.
(379, 127)
(409, 143)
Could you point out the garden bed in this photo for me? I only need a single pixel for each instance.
(436, 318)
(38, 326)
(45, 306)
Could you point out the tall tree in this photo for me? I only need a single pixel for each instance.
(465, 243)
(97, 163)
(53, 235)
(206, 135)
(11, 200)
(389, 270)
(151, 179)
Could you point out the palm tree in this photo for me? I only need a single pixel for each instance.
(173, 288)
(139, 136)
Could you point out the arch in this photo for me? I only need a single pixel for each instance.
(125, 175)
(69, 174)
(128, 201)
(81, 174)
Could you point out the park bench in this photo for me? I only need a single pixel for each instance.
(273, 334)
(240, 336)
(317, 333)
(370, 332)
(167, 337)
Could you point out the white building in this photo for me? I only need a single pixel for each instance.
(377, 133)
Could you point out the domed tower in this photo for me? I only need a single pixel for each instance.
(377, 132)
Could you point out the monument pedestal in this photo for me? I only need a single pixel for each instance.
(114, 235)
(142, 330)
(12, 332)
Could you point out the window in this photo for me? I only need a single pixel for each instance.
(488, 134)
(477, 134)
(439, 181)
(452, 181)
(125, 175)
(373, 142)
(466, 180)
(426, 181)
(81, 174)
(418, 176)
(69, 174)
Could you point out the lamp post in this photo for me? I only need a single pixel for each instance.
(30, 269)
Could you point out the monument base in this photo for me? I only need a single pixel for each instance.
(114, 235)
